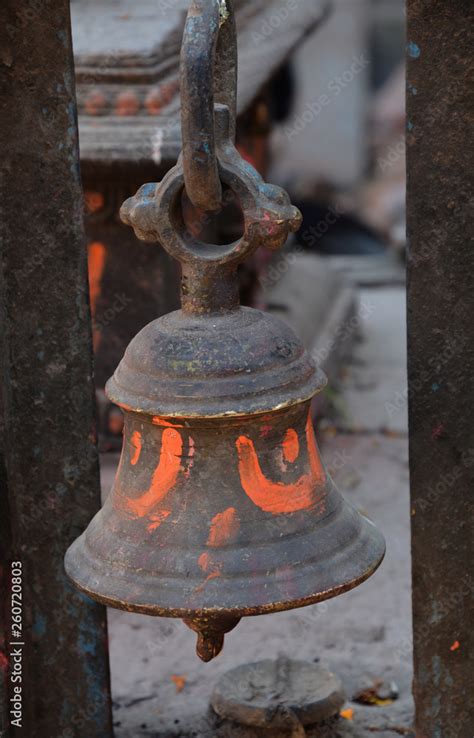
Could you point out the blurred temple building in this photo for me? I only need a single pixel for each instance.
(320, 105)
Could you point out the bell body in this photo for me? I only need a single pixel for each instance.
(221, 506)
(222, 516)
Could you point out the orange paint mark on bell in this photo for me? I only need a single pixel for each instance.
(223, 531)
(212, 568)
(455, 646)
(213, 575)
(136, 443)
(291, 446)
(96, 257)
(158, 519)
(224, 528)
(204, 561)
(278, 497)
(156, 420)
(164, 476)
(313, 453)
(208, 565)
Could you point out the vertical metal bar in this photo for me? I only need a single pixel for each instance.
(441, 361)
(51, 461)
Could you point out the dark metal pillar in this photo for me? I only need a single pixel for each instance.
(51, 483)
(441, 361)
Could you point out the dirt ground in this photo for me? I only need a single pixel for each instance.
(162, 689)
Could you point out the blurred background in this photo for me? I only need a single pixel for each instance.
(321, 112)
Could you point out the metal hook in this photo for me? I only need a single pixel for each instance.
(208, 76)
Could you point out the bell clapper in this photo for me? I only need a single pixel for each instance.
(211, 631)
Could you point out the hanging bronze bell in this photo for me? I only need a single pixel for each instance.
(221, 506)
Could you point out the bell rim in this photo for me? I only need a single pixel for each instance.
(164, 411)
(265, 609)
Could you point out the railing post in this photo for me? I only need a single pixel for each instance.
(441, 362)
(51, 482)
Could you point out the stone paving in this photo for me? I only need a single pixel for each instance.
(160, 687)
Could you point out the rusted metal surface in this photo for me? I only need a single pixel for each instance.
(222, 517)
(440, 108)
(211, 631)
(221, 505)
(208, 76)
(48, 444)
